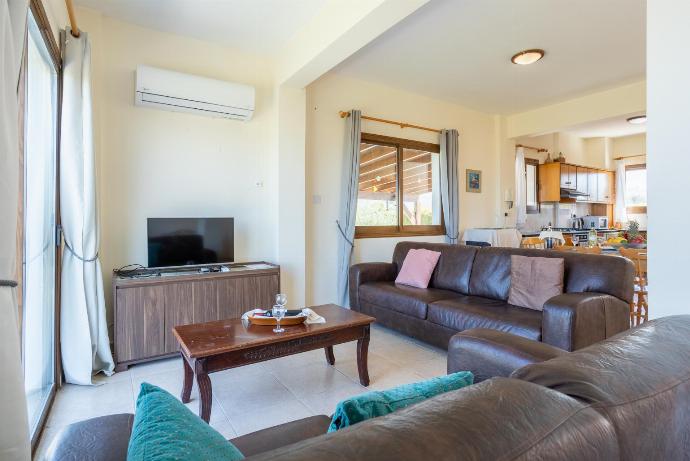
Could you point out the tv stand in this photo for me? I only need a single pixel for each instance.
(149, 302)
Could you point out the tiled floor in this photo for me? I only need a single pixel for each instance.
(257, 396)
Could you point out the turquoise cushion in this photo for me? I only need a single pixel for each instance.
(379, 403)
(165, 429)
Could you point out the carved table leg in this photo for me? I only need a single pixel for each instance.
(330, 357)
(205, 394)
(362, 351)
(188, 380)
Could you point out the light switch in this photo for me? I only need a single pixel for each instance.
(316, 199)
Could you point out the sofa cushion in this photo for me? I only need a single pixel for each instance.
(379, 403)
(401, 298)
(533, 281)
(475, 312)
(164, 428)
(417, 268)
(454, 266)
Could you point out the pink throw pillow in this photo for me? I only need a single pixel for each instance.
(417, 268)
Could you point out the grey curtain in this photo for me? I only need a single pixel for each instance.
(348, 205)
(449, 183)
(85, 345)
(14, 426)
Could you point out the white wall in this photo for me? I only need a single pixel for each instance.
(325, 140)
(154, 163)
(668, 162)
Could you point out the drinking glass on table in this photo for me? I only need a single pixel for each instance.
(576, 239)
(281, 299)
(278, 313)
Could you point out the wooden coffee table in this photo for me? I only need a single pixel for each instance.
(215, 346)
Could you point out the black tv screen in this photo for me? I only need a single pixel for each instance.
(186, 241)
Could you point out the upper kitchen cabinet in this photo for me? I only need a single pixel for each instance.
(568, 176)
(550, 182)
(562, 181)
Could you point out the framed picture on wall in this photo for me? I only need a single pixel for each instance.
(473, 181)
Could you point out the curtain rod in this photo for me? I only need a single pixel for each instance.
(344, 114)
(72, 19)
(630, 156)
(538, 149)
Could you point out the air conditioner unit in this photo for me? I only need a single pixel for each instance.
(175, 91)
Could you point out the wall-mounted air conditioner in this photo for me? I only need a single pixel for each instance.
(175, 91)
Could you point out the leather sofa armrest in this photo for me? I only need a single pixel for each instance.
(368, 272)
(105, 438)
(281, 435)
(576, 320)
(490, 353)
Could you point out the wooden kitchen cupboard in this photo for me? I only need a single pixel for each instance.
(146, 309)
(554, 177)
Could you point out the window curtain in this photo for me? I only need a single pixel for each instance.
(85, 345)
(620, 213)
(14, 426)
(520, 188)
(348, 203)
(449, 183)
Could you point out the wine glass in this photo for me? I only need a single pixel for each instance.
(576, 239)
(281, 299)
(278, 314)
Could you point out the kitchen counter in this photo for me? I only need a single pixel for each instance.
(573, 231)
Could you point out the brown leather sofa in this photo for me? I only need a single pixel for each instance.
(469, 289)
(627, 398)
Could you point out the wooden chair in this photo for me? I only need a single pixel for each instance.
(639, 308)
(533, 242)
(578, 249)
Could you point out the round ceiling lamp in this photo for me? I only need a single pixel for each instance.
(526, 57)
(637, 120)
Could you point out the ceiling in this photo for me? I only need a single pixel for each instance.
(460, 51)
(608, 128)
(252, 26)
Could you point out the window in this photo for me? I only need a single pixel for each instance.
(39, 209)
(399, 188)
(532, 181)
(636, 188)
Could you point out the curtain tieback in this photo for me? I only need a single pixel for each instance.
(352, 244)
(86, 260)
(8, 283)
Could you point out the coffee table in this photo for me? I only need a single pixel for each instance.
(215, 346)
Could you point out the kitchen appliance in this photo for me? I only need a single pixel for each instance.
(597, 222)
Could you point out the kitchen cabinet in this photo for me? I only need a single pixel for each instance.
(582, 175)
(592, 185)
(605, 187)
(555, 177)
(568, 176)
(549, 182)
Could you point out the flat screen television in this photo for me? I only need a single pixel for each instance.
(188, 241)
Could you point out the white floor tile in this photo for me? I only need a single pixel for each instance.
(312, 378)
(75, 403)
(268, 414)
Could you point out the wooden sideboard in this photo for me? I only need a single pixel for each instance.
(147, 308)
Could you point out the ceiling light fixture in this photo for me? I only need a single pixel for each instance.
(526, 57)
(637, 120)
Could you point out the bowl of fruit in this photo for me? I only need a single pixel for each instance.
(617, 242)
(633, 236)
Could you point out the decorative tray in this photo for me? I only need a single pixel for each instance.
(286, 321)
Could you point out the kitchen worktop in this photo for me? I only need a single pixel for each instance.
(570, 232)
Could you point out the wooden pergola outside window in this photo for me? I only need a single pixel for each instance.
(399, 188)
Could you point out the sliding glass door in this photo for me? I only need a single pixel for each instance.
(39, 211)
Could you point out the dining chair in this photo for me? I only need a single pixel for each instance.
(639, 308)
(533, 242)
